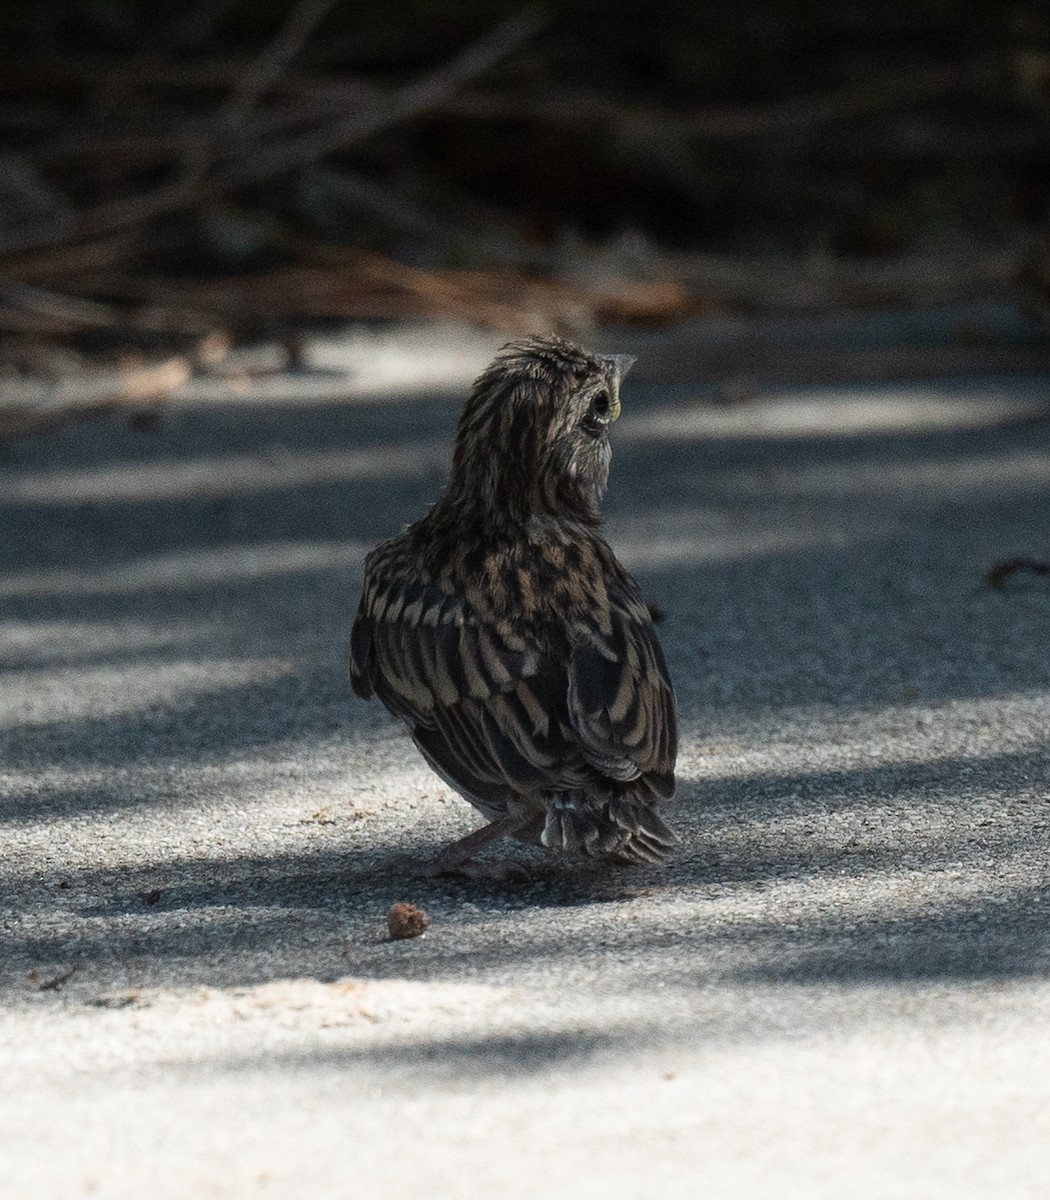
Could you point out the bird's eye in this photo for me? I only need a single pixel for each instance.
(599, 413)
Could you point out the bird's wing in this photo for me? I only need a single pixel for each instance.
(486, 705)
(495, 712)
(621, 702)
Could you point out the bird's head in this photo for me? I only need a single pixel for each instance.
(534, 434)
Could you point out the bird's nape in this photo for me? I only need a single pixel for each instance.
(533, 435)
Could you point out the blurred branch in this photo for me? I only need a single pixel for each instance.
(400, 213)
(800, 113)
(314, 98)
(258, 162)
(410, 101)
(257, 78)
(72, 260)
(57, 313)
(23, 306)
(104, 218)
(193, 26)
(264, 71)
(23, 189)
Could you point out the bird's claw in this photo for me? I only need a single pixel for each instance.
(491, 870)
(495, 870)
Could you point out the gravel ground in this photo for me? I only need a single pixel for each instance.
(839, 986)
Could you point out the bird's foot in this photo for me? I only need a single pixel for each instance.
(489, 870)
(458, 859)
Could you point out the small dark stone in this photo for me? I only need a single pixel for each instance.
(406, 921)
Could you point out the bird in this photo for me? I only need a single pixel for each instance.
(502, 630)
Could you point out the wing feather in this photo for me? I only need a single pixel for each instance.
(496, 711)
(621, 703)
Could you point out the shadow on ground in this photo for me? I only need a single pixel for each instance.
(877, 603)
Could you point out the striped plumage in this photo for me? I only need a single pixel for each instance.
(501, 629)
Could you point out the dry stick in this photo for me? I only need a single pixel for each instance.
(196, 24)
(104, 218)
(449, 295)
(255, 165)
(142, 146)
(799, 114)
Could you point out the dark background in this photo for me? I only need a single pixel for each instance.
(197, 173)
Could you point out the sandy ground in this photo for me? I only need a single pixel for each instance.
(839, 986)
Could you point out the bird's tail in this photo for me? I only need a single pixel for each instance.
(623, 827)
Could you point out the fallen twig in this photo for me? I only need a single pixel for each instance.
(50, 982)
(997, 575)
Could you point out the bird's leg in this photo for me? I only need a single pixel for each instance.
(458, 858)
(458, 852)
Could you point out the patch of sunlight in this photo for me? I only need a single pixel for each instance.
(837, 413)
(642, 545)
(223, 475)
(342, 1001)
(961, 477)
(806, 739)
(871, 894)
(57, 641)
(191, 568)
(90, 693)
(358, 364)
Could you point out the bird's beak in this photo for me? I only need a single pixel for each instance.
(619, 365)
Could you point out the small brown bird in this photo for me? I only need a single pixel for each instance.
(501, 629)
